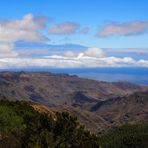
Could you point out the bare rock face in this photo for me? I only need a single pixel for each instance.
(99, 105)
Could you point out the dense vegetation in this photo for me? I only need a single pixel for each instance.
(127, 136)
(23, 127)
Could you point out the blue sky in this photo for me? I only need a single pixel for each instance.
(112, 33)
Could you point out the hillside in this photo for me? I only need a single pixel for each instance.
(120, 110)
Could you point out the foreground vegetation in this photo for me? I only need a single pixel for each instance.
(23, 127)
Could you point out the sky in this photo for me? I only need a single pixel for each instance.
(73, 33)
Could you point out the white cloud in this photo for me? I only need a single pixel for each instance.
(124, 29)
(26, 29)
(90, 52)
(94, 52)
(64, 28)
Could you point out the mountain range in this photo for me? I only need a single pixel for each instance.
(98, 105)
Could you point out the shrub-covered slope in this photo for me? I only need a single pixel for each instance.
(22, 126)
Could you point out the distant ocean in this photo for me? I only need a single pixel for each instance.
(135, 75)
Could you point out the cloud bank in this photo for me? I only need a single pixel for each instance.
(90, 58)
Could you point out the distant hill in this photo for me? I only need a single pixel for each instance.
(58, 89)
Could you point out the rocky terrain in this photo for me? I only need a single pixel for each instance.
(98, 105)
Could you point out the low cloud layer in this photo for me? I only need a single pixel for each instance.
(64, 28)
(90, 58)
(124, 29)
(71, 62)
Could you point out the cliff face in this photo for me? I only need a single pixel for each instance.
(98, 105)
